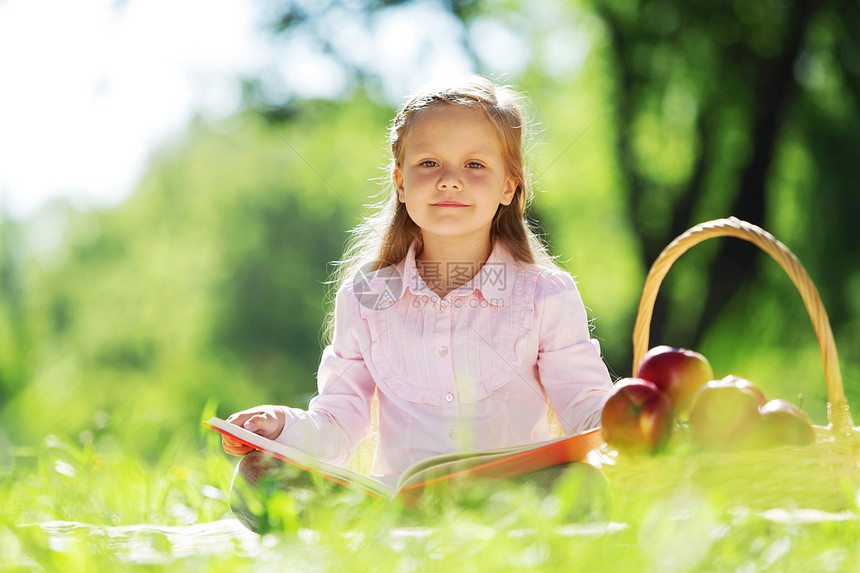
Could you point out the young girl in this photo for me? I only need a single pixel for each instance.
(448, 305)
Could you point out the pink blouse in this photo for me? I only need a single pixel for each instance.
(472, 370)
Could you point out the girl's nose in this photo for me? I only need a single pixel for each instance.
(448, 179)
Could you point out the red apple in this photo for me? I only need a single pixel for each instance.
(783, 424)
(725, 415)
(678, 372)
(637, 417)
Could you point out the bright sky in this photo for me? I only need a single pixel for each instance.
(88, 88)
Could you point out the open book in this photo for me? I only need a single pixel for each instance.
(504, 463)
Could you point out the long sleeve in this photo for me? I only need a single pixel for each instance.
(338, 418)
(571, 370)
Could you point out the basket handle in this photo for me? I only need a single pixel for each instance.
(837, 405)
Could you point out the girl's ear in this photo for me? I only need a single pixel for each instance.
(397, 177)
(510, 190)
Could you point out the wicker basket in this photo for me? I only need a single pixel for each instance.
(824, 475)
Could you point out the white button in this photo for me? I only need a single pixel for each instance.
(449, 397)
(452, 434)
(443, 351)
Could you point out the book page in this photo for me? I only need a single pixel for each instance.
(446, 468)
(503, 462)
(298, 458)
(508, 462)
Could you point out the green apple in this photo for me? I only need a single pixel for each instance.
(725, 415)
(784, 424)
(744, 383)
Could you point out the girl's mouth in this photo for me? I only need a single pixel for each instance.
(449, 204)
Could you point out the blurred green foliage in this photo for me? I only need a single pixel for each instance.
(208, 284)
(205, 291)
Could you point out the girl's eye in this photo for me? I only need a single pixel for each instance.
(474, 165)
(428, 163)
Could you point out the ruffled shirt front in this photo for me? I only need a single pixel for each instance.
(471, 370)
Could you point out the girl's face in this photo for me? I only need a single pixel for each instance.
(452, 177)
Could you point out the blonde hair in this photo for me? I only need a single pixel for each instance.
(383, 238)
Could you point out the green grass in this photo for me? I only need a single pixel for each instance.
(65, 507)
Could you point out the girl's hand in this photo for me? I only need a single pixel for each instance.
(268, 421)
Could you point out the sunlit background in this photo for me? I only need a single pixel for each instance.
(99, 85)
(176, 178)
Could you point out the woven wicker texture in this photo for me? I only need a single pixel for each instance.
(837, 405)
(824, 475)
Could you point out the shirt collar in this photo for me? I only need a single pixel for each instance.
(495, 281)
